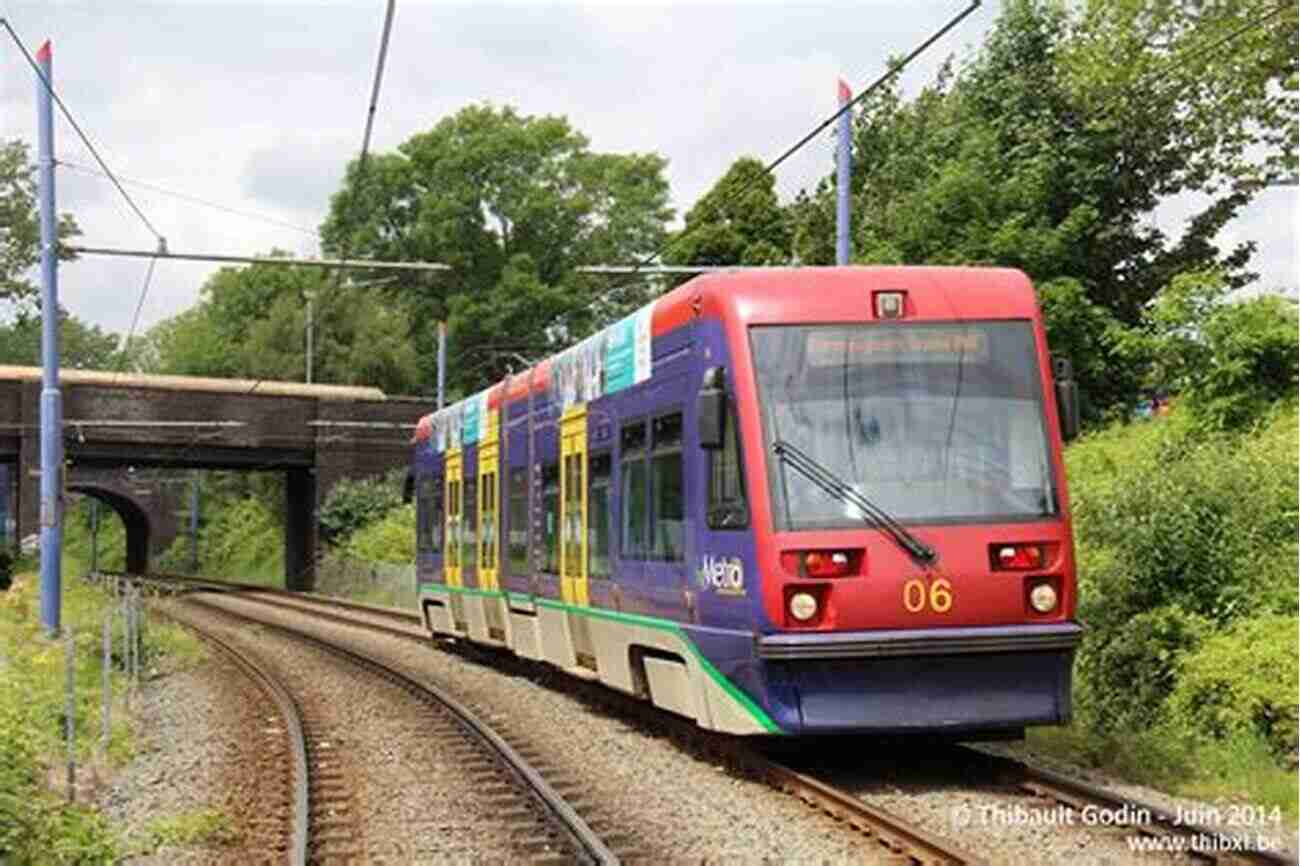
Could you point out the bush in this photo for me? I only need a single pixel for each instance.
(37, 826)
(1244, 682)
(242, 540)
(391, 539)
(353, 504)
(1178, 532)
(1166, 516)
(1230, 361)
(1129, 670)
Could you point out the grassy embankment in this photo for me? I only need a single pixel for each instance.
(1187, 679)
(37, 824)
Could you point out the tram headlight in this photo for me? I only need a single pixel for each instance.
(803, 606)
(1042, 597)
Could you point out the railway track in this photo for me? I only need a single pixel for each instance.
(290, 755)
(544, 827)
(903, 840)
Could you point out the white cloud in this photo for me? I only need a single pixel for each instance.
(259, 107)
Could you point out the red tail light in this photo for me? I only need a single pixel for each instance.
(1016, 557)
(822, 563)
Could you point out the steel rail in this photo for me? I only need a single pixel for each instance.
(1077, 795)
(293, 727)
(891, 830)
(585, 841)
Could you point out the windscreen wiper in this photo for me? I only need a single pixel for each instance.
(822, 477)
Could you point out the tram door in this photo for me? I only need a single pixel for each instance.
(488, 526)
(573, 505)
(451, 540)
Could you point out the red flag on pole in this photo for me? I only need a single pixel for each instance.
(845, 93)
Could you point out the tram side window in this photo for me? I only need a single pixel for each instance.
(429, 514)
(728, 506)
(488, 496)
(517, 552)
(667, 490)
(423, 515)
(636, 511)
(598, 516)
(436, 515)
(453, 523)
(469, 522)
(551, 517)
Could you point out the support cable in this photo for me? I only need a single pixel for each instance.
(31, 61)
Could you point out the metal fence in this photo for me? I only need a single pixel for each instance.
(383, 583)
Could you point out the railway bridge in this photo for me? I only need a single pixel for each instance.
(316, 435)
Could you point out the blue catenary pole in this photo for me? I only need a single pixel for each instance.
(842, 180)
(51, 400)
(442, 363)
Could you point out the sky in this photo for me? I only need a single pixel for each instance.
(258, 107)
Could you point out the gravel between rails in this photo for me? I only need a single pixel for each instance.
(407, 803)
(673, 807)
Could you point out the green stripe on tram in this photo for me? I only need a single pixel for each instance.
(754, 710)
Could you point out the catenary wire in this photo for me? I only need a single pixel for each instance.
(192, 199)
(77, 128)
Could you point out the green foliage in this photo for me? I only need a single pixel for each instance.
(354, 503)
(1127, 674)
(198, 827)
(1094, 341)
(37, 825)
(81, 346)
(242, 540)
(78, 532)
(390, 539)
(1230, 361)
(1179, 534)
(728, 227)
(20, 233)
(513, 203)
(1205, 522)
(1050, 148)
(1244, 681)
(252, 323)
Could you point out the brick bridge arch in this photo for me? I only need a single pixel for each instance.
(148, 508)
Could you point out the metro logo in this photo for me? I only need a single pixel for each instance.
(723, 575)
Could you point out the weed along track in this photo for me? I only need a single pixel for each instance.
(400, 771)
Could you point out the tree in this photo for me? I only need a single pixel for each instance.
(737, 222)
(251, 322)
(513, 203)
(20, 232)
(1050, 150)
(1229, 360)
(81, 346)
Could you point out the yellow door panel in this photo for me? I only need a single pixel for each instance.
(488, 510)
(573, 505)
(451, 560)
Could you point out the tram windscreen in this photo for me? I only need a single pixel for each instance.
(931, 422)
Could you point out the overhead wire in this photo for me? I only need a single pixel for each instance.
(740, 189)
(67, 114)
(365, 139)
(135, 320)
(192, 199)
